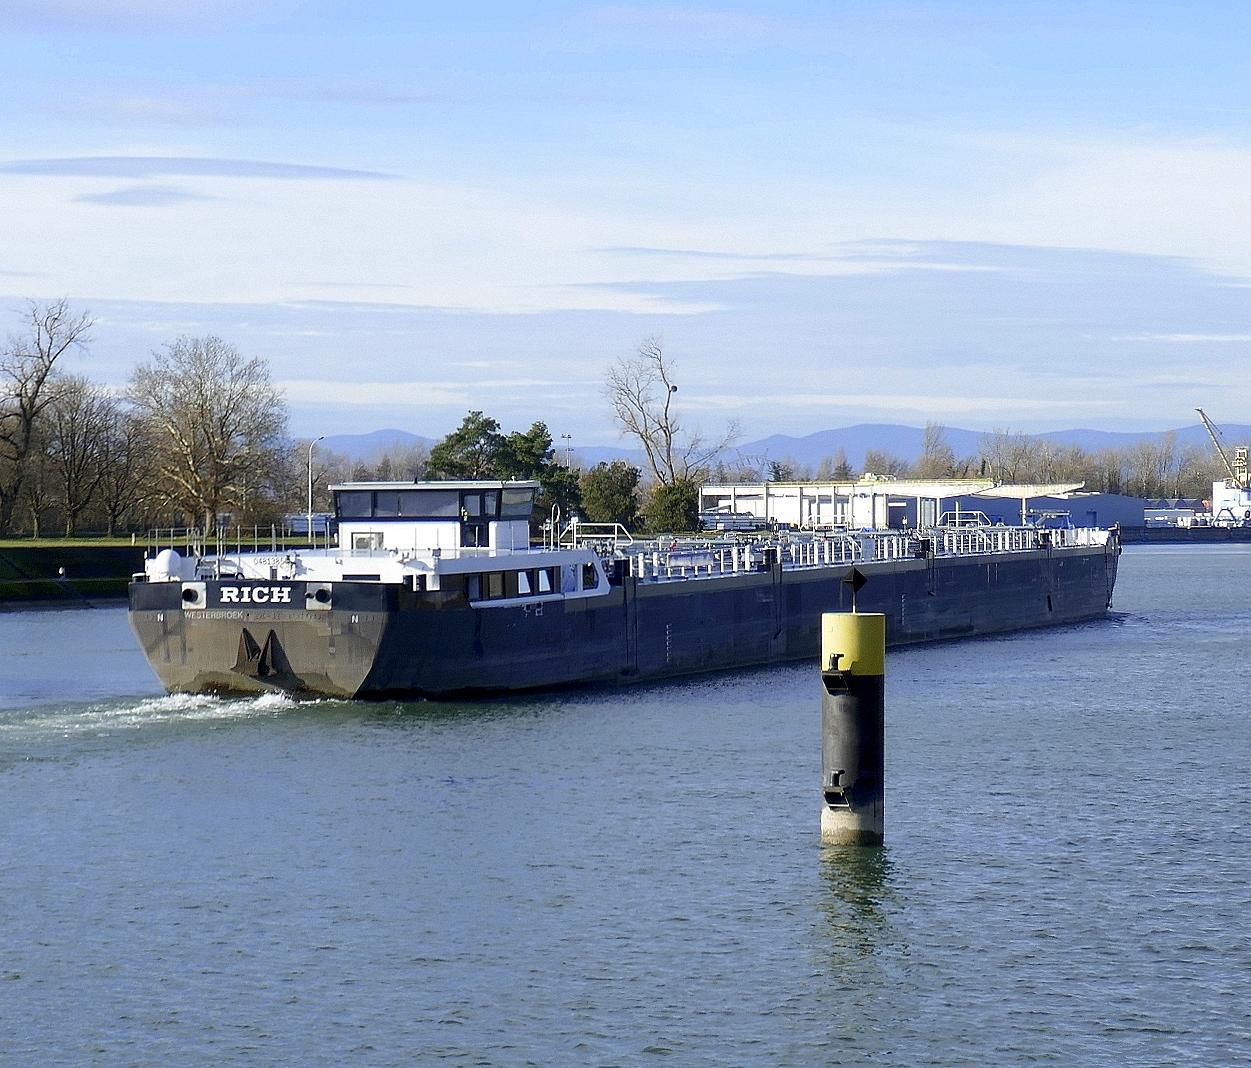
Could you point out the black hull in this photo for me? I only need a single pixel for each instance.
(384, 642)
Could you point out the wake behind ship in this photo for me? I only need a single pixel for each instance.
(434, 590)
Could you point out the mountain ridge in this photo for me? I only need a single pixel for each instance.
(898, 439)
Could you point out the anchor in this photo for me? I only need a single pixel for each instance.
(266, 662)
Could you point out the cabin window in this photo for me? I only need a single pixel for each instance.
(517, 504)
(366, 542)
(490, 504)
(387, 504)
(401, 504)
(471, 503)
(354, 504)
(590, 577)
(433, 504)
(502, 585)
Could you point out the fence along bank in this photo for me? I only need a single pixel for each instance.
(434, 590)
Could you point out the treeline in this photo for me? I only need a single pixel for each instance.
(1157, 467)
(198, 434)
(198, 437)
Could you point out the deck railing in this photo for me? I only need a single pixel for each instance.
(693, 558)
(681, 557)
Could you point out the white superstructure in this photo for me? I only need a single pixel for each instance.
(470, 536)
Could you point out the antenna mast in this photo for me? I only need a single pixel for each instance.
(1239, 476)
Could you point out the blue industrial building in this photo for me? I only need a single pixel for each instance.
(1083, 509)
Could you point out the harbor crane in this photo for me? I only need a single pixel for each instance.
(1238, 469)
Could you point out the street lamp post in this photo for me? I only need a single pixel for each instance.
(568, 438)
(311, 445)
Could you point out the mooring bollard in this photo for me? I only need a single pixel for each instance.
(853, 727)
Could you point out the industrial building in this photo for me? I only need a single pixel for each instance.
(883, 504)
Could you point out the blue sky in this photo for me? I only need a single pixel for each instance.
(990, 214)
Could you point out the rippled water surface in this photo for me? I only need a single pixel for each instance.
(608, 877)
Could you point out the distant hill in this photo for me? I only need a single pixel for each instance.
(370, 447)
(1232, 434)
(903, 441)
(593, 455)
(907, 441)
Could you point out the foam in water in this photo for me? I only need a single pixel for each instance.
(175, 707)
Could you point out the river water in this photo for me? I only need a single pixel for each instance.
(604, 878)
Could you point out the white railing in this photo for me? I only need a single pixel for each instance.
(578, 534)
(697, 558)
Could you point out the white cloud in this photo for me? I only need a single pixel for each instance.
(1183, 198)
(904, 402)
(141, 196)
(252, 232)
(179, 166)
(415, 394)
(1183, 338)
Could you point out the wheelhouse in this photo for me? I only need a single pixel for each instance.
(479, 514)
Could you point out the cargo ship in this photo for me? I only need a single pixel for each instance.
(435, 590)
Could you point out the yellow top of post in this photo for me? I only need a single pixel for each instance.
(859, 638)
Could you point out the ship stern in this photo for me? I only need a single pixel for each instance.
(246, 636)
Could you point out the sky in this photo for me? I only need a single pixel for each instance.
(987, 214)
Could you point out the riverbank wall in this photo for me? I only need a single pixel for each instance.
(33, 573)
(1183, 535)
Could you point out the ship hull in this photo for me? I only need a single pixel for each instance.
(383, 641)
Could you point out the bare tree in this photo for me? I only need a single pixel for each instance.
(125, 466)
(835, 468)
(884, 464)
(1009, 456)
(937, 458)
(640, 390)
(217, 426)
(787, 469)
(37, 507)
(27, 386)
(78, 420)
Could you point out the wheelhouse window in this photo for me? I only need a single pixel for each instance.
(432, 504)
(517, 504)
(398, 504)
(387, 504)
(480, 504)
(354, 504)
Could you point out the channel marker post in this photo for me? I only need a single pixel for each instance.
(853, 728)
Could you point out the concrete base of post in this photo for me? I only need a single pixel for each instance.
(841, 826)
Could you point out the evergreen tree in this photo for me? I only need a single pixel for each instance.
(478, 449)
(609, 493)
(530, 454)
(674, 507)
(472, 450)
